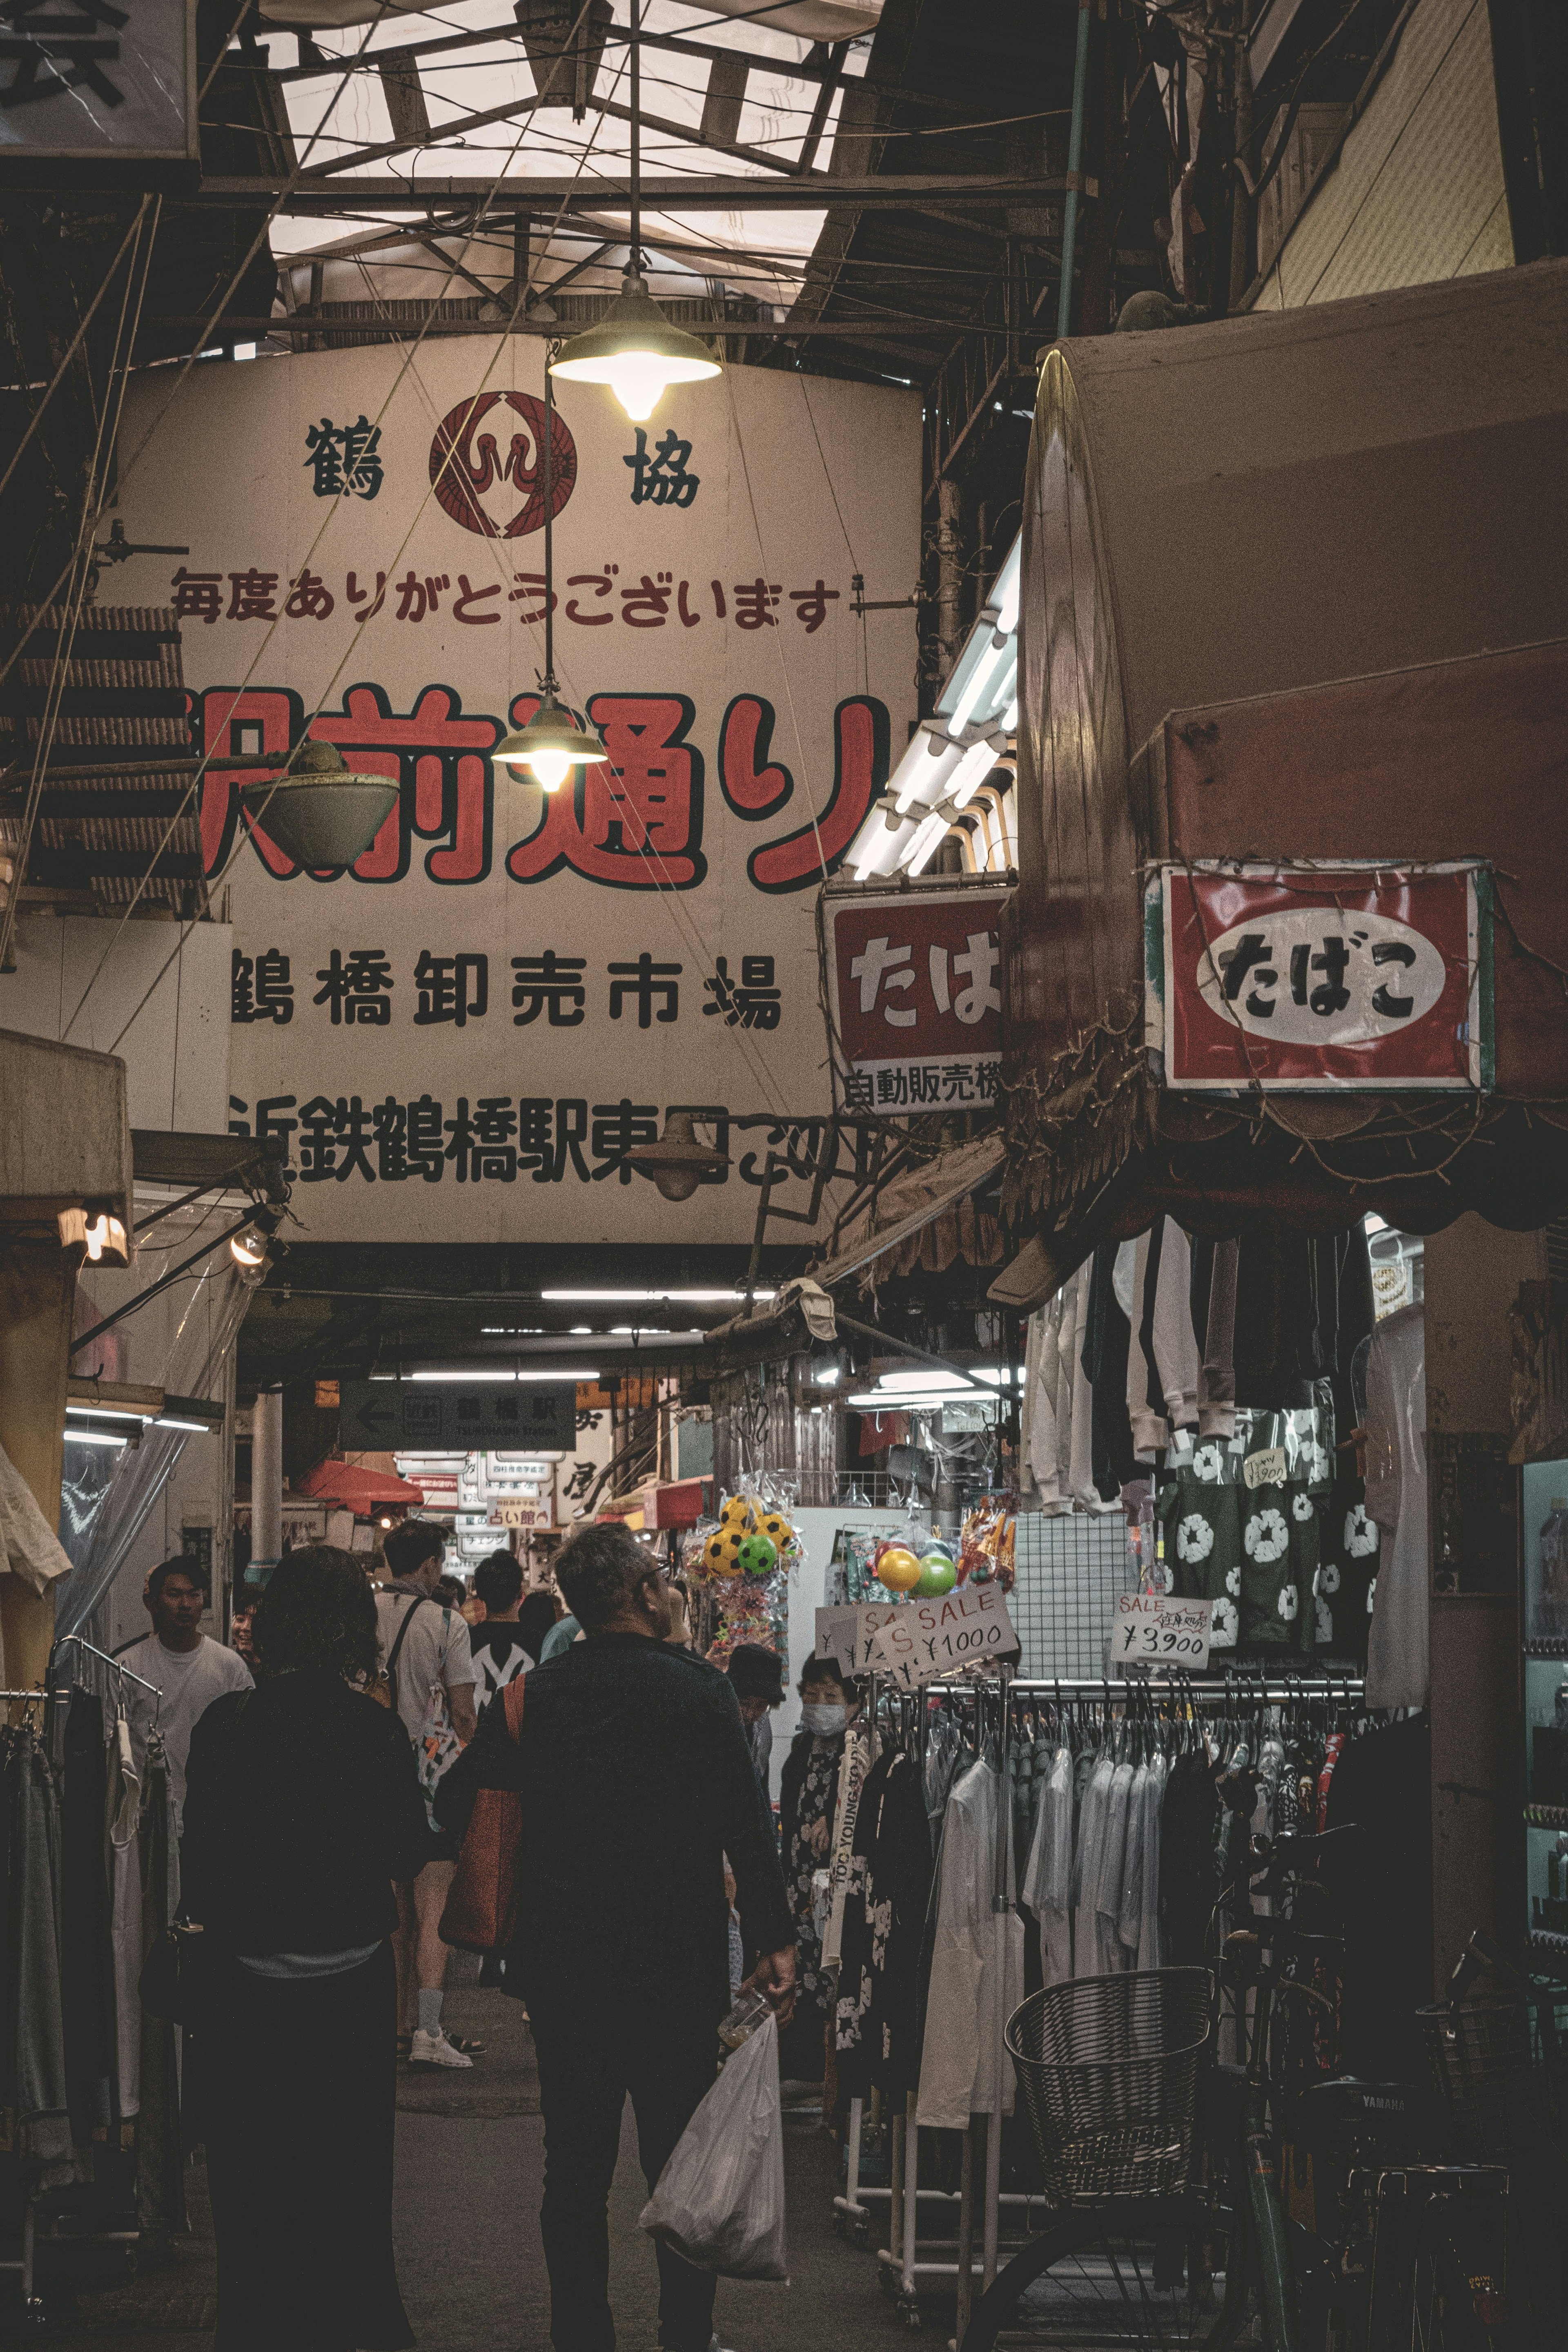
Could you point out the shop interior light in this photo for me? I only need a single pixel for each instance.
(468, 1379)
(105, 1412)
(915, 1400)
(971, 772)
(926, 843)
(96, 1437)
(105, 1232)
(828, 1375)
(249, 1248)
(653, 1297)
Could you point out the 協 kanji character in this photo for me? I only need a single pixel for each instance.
(643, 979)
(925, 1084)
(309, 598)
(632, 819)
(450, 989)
(688, 619)
(647, 606)
(531, 588)
(663, 479)
(357, 595)
(618, 1129)
(892, 1086)
(198, 595)
(980, 997)
(549, 981)
(879, 963)
(1384, 1001)
(600, 583)
(754, 603)
(59, 53)
(1248, 957)
(753, 1002)
(416, 597)
(860, 762)
(251, 595)
(958, 1083)
(324, 459)
(811, 605)
(858, 1089)
(355, 990)
(467, 596)
(263, 990)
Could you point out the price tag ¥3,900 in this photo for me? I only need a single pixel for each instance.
(1151, 1628)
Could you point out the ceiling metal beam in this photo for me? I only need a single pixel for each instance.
(369, 60)
(727, 192)
(319, 323)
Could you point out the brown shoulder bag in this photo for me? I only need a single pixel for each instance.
(481, 1910)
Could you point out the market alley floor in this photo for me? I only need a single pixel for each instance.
(469, 2163)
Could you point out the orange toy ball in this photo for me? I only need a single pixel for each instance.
(898, 1569)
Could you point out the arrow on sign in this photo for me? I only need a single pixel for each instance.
(377, 1415)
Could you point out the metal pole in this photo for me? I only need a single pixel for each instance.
(265, 1485)
(549, 527)
(1240, 202)
(1074, 170)
(966, 2234)
(636, 255)
(911, 2201)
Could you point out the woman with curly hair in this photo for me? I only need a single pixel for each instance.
(302, 1807)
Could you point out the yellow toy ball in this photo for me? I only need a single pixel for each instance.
(777, 1530)
(738, 1513)
(721, 1553)
(898, 1570)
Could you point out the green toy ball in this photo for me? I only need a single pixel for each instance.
(758, 1556)
(938, 1575)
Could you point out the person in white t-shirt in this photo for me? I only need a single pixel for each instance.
(185, 1667)
(425, 1649)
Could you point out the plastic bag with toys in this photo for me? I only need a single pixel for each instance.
(986, 1543)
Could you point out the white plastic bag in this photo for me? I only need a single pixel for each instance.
(719, 2200)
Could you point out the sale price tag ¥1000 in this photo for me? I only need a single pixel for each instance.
(1151, 1629)
(927, 1640)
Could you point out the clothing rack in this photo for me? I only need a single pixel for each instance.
(124, 1672)
(900, 2257)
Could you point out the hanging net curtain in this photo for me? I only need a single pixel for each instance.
(179, 1343)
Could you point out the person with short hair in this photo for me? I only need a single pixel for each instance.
(425, 1649)
(184, 1665)
(302, 1807)
(500, 1655)
(757, 1677)
(636, 1780)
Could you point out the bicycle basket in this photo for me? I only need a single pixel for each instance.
(1504, 2100)
(1108, 2069)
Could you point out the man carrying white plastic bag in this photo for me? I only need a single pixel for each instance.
(719, 2200)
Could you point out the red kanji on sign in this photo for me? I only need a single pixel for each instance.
(632, 820)
(859, 772)
(465, 461)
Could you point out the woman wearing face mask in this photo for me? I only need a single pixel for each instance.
(808, 1803)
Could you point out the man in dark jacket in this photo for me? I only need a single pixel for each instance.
(636, 1780)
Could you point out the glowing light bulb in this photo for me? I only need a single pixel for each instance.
(550, 769)
(638, 379)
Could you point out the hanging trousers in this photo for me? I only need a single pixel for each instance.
(594, 2052)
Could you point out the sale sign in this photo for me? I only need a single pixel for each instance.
(1327, 976)
(915, 988)
(925, 1640)
(1151, 1629)
(846, 1634)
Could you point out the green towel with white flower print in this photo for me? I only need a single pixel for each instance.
(1252, 1551)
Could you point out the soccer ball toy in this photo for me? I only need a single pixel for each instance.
(721, 1553)
(757, 1555)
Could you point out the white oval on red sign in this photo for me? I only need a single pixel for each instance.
(1311, 976)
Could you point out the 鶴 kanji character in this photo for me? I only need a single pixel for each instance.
(417, 597)
(263, 991)
(530, 587)
(438, 756)
(634, 818)
(600, 583)
(980, 997)
(198, 595)
(354, 990)
(753, 1002)
(389, 1124)
(549, 981)
(958, 1083)
(356, 595)
(1249, 955)
(361, 457)
(451, 988)
(467, 596)
(754, 603)
(251, 595)
(618, 1129)
(426, 1149)
(811, 605)
(877, 964)
(688, 620)
(308, 599)
(662, 480)
(1384, 1001)
(647, 606)
(549, 1134)
(643, 980)
(860, 771)
(324, 459)
(54, 54)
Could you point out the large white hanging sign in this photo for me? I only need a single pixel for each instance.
(462, 1037)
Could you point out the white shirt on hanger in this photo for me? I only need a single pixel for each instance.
(977, 1967)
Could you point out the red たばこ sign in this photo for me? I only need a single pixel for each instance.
(914, 984)
(1320, 977)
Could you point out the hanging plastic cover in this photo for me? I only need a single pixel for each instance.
(719, 2200)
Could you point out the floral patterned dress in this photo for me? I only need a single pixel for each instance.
(802, 1860)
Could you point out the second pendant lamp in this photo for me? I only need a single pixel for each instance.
(552, 743)
(634, 349)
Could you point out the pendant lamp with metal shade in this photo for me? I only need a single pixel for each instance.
(552, 743)
(634, 349)
(318, 812)
(677, 1162)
